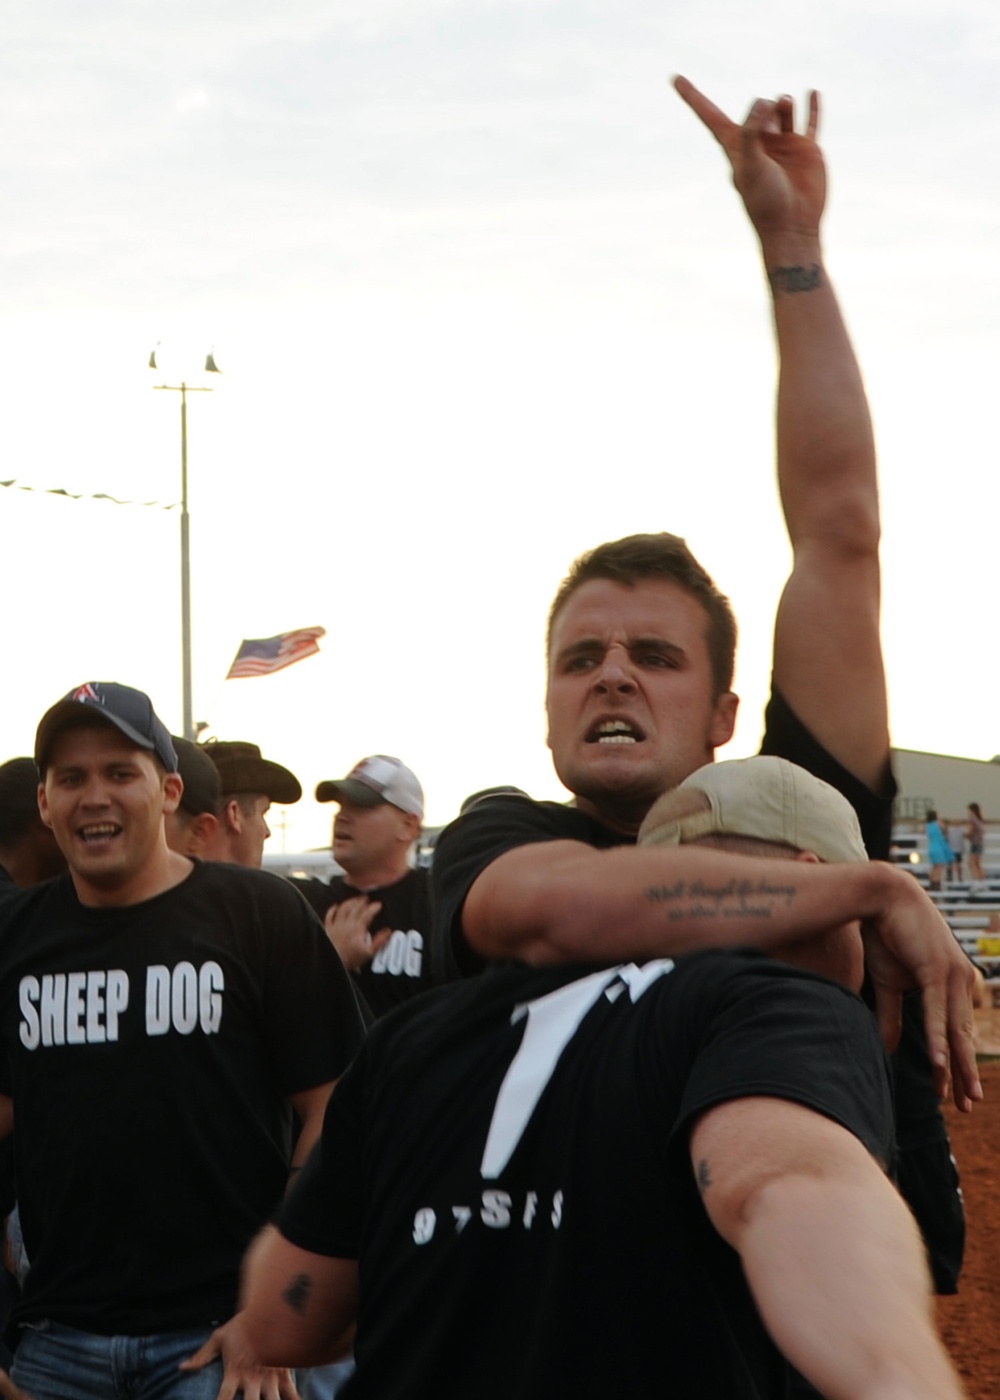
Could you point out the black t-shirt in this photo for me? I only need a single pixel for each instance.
(508, 1160)
(405, 967)
(924, 1166)
(150, 1053)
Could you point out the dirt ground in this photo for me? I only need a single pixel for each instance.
(970, 1322)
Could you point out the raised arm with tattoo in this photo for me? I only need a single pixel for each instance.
(827, 647)
(640, 672)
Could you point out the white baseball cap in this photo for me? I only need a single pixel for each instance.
(379, 778)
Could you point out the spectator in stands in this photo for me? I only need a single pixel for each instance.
(956, 835)
(28, 850)
(975, 830)
(250, 783)
(938, 849)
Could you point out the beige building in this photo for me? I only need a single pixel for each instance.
(946, 783)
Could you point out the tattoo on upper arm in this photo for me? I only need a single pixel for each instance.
(795, 279)
(735, 899)
(296, 1295)
(703, 1176)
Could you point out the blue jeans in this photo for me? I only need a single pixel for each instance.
(323, 1382)
(53, 1362)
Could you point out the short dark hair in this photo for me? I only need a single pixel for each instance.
(246, 801)
(663, 556)
(18, 799)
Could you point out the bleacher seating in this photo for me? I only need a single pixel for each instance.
(972, 909)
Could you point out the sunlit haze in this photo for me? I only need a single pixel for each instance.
(482, 296)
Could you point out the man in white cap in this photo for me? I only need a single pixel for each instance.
(378, 913)
(560, 1157)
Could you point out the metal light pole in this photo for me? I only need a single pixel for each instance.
(188, 726)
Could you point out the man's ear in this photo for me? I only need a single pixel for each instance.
(173, 789)
(203, 828)
(411, 828)
(724, 718)
(808, 857)
(232, 816)
(43, 806)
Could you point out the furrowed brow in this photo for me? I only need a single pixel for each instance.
(656, 644)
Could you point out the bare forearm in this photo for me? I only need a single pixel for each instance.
(298, 1308)
(563, 903)
(831, 1253)
(838, 1273)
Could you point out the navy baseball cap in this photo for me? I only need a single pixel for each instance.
(130, 711)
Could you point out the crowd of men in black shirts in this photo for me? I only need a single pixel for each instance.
(633, 1157)
(191, 1007)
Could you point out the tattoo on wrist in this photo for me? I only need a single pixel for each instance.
(736, 899)
(795, 279)
(703, 1176)
(296, 1295)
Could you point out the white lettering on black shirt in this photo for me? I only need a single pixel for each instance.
(85, 1008)
(402, 956)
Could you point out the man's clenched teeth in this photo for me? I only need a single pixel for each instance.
(99, 831)
(616, 731)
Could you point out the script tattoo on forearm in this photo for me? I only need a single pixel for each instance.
(795, 279)
(736, 899)
(296, 1295)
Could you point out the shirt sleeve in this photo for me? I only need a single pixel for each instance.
(785, 736)
(463, 851)
(781, 1033)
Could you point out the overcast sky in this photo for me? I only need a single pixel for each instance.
(482, 296)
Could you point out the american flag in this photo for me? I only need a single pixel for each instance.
(259, 656)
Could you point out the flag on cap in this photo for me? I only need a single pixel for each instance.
(259, 656)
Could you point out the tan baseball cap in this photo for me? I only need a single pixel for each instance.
(763, 797)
